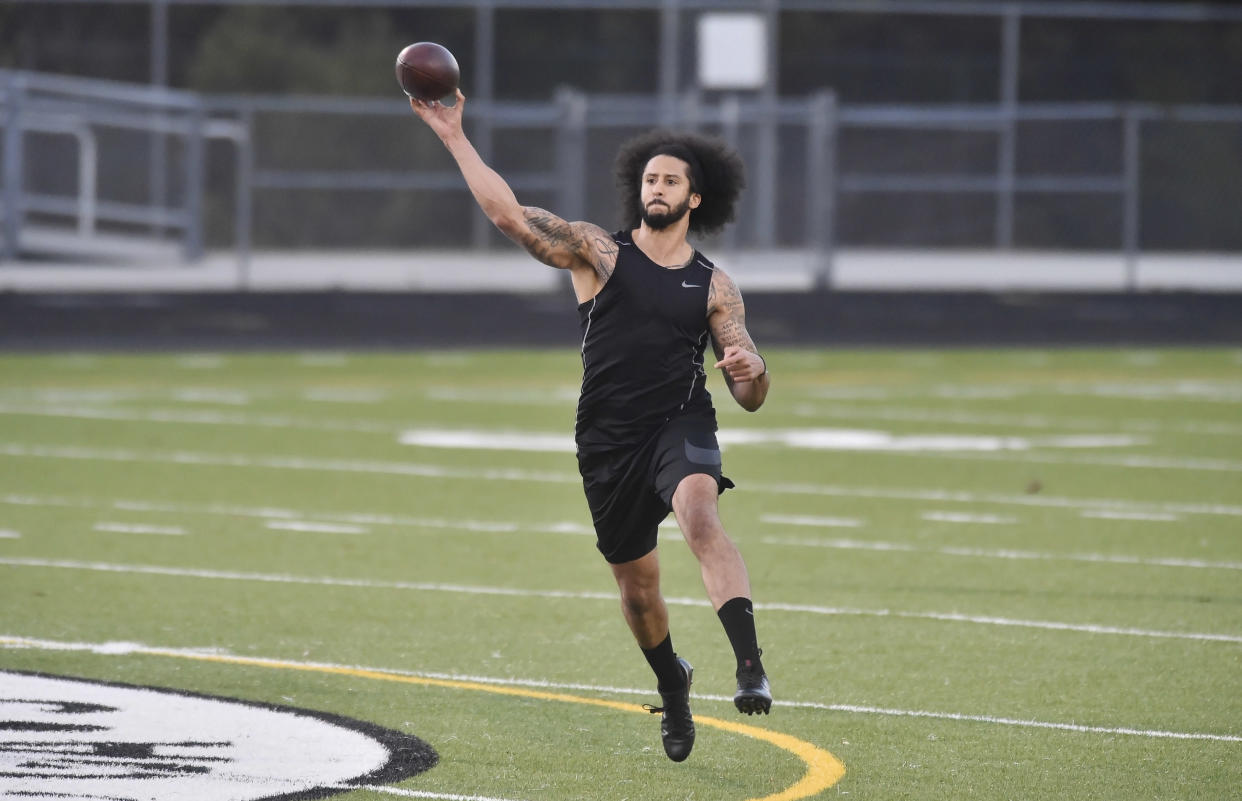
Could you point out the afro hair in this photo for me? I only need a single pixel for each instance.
(717, 175)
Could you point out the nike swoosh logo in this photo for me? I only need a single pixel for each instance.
(690, 286)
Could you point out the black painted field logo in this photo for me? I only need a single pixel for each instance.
(63, 738)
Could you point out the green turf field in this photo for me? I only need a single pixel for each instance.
(979, 574)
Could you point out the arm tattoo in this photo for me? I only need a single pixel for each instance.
(727, 315)
(563, 244)
(551, 239)
(606, 256)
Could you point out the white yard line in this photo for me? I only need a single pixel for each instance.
(211, 395)
(1172, 390)
(9, 534)
(66, 396)
(126, 648)
(402, 792)
(1033, 724)
(1085, 628)
(553, 396)
(525, 442)
(1158, 517)
(422, 793)
(808, 520)
(515, 474)
(281, 463)
(610, 597)
(938, 446)
(345, 395)
(139, 528)
(933, 446)
(1128, 461)
(324, 581)
(951, 496)
(314, 528)
(200, 417)
(1180, 391)
(271, 513)
(967, 517)
(913, 414)
(994, 553)
(930, 446)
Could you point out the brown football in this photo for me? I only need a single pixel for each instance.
(427, 71)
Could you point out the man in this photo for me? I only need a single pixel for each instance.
(645, 429)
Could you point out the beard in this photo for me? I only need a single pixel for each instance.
(659, 220)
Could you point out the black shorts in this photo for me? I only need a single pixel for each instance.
(630, 491)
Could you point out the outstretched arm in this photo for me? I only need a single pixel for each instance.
(744, 369)
(583, 248)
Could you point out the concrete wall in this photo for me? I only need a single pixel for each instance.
(418, 299)
(510, 270)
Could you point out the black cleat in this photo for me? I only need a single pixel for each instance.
(676, 722)
(754, 695)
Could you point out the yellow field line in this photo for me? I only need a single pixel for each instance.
(822, 768)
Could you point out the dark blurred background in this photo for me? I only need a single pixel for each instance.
(918, 170)
(1083, 63)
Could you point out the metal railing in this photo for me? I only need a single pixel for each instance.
(37, 106)
(792, 145)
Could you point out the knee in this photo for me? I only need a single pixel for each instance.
(639, 583)
(636, 604)
(700, 525)
(639, 600)
(694, 505)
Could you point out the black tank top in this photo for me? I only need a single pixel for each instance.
(643, 337)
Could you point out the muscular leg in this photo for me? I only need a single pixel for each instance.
(724, 572)
(647, 616)
(727, 583)
(641, 602)
(645, 612)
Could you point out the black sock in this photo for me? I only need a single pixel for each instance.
(738, 617)
(663, 661)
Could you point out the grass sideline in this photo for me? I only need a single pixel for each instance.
(979, 573)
